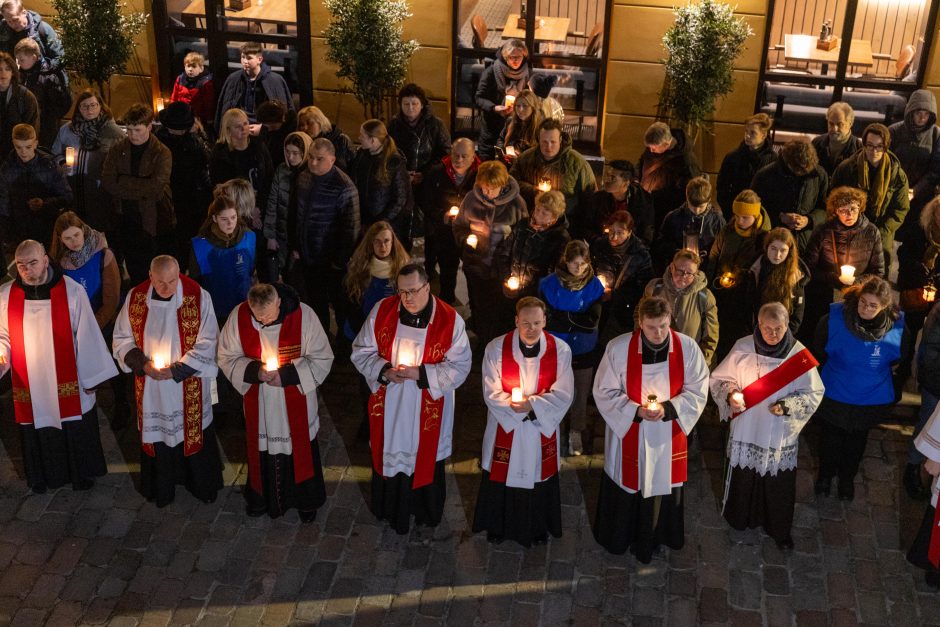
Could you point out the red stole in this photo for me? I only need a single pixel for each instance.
(288, 349)
(548, 372)
(630, 453)
(66, 368)
(788, 371)
(437, 342)
(188, 319)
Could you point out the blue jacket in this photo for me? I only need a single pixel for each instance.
(573, 315)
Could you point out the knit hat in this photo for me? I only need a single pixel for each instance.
(746, 208)
(177, 116)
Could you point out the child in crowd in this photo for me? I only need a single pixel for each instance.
(194, 87)
(50, 86)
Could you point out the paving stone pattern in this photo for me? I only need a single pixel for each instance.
(107, 557)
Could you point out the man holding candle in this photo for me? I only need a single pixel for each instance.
(528, 386)
(413, 352)
(166, 335)
(767, 388)
(646, 447)
(46, 322)
(275, 352)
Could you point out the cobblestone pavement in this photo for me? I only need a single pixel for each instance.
(106, 556)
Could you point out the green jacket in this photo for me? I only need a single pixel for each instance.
(890, 214)
(568, 172)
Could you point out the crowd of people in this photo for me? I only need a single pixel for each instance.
(208, 272)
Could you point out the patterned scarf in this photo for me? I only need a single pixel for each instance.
(877, 185)
(573, 282)
(88, 131)
(507, 79)
(80, 257)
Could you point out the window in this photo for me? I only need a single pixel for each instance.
(567, 45)
(808, 66)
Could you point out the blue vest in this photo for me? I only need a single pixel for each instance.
(89, 277)
(859, 372)
(226, 272)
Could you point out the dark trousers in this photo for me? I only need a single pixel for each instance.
(440, 249)
(486, 296)
(138, 247)
(324, 287)
(840, 452)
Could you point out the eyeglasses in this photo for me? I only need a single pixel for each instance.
(89, 106)
(684, 273)
(411, 293)
(848, 211)
(875, 147)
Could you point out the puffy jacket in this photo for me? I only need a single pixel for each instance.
(489, 220)
(343, 146)
(253, 164)
(488, 96)
(628, 268)
(50, 46)
(911, 269)
(423, 143)
(681, 222)
(19, 182)
(51, 88)
(392, 201)
(234, 94)
(22, 108)
(568, 172)
(198, 93)
(638, 202)
(189, 178)
(277, 212)
(830, 162)
(918, 150)
(737, 171)
(896, 204)
(324, 223)
(149, 189)
(573, 317)
(665, 175)
(530, 255)
(694, 310)
(754, 286)
(783, 191)
(858, 246)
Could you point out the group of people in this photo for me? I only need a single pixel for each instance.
(641, 294)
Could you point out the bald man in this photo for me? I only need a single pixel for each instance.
(166, 335)
(46, 322)
(443, 187)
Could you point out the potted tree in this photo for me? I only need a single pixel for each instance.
(364, 39)
(701, 46)
(98, 37)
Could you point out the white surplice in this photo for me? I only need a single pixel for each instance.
(313, 366)
(760, 440)
(610, 394)
(928, 443)
(93, 361)
(403, 401)
(525, 461)
(163, 419)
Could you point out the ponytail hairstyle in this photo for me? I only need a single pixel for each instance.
(376, 130)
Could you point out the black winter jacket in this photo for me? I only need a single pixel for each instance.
(681, 222)
(423, 143)
(252, 164)
(918, 150)
(323, 224)
(638, 202)
(782, 191)
(234, 93)
(830, 162)
(392, 201)
(189, 178)
(21, 108)
(19, 182)
(737, 171)
(666, 175)
(530, 255)
(858, 246)
(437, 194)
(754, 282)
(51, 88)
(627, 270)
(343, 146)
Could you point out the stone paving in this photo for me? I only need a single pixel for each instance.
(107, 557)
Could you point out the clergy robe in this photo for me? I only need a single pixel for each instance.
(522, 501)
(61, 443)
(175, 416)
(273, 485)
(760, 486)
(640, 503)
(925, 550)
(397, 492)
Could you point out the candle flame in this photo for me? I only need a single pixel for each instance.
(517, 395)
(512, 283)
(472, 241)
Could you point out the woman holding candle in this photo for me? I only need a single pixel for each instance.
(486, 217)
(859, 344)
(848, 245)
(507, 76)
(778, 276)
(640, 505)
(522, 127)
(573, 297)
(81, 147)
(767, 388)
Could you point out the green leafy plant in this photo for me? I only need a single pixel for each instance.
(98, 37)
(364, 39)
(701, 46)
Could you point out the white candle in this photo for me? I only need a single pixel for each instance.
(603, 279)
(159, 362)
(545, 185)
(408, 354)
(511, 151)
(512, 283)
(70, 156)
(454, 210)
(472, 241)
(848, 275)
(510, 100)
(517, 395)
(738, 397)
(270, 364)
(930, 294)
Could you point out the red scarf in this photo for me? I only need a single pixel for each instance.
(548, 372)
(452, 173)
(288, 349)
(773, 381)
(630, 472)
(437, 342)
(188, 320)
(66, 368)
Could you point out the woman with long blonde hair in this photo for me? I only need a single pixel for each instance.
(778, 276)
(522, 129)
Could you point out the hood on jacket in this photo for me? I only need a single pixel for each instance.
(699, 283)
(506, 195)
(307, 142)
(566, 144)
(920, 100)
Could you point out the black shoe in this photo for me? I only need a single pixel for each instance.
(786, 544)
(846, 490)
(932, 578)
(822, 486)
(492, 538)
(255, 513)
(307, 517)
(39, 488)
(912, 483)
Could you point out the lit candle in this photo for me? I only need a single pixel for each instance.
(510, 100)
(159, 105)
(726, 280)
(652, 402)
(407, 354)
(545, 185)
(603, 279)
(738, 397)
(270, 364)
(512, 283)
(848, 275)
(472, 241)
(159, 362)
(70, 156)
(930, 293)
(517, 395)
(454, 210)
(511, 151)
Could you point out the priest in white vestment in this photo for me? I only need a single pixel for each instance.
(276, 354)
(166, 336)
(925, 550)
(413, 352)
(528, 385)
(768, 387)
(46, 323)
(650, 388)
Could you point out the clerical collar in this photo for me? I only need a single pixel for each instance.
(530, 351)
(155, 296)
(419, 320)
